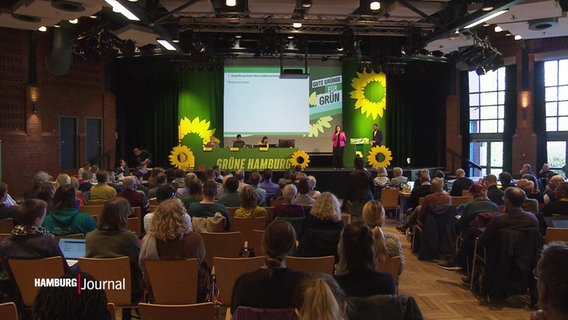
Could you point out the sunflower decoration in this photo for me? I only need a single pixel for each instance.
(319, 126)
(200, 127)
(358, 154)
(300, 158)
(182, 158)
(370, 93)
(379, 156)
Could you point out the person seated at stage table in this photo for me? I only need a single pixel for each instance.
(398, 180)
(263, 142)
(213, 143)
(461, 184)
(289, 208)
(102, 191)
(272, 189)
(360, 279)
(249, 204)
(231, 195)
(254, 180)
(65, 218)
(122, 169)
(208, 207)
(560, 205)
(303, 198)
(238, 142)
(493, 193)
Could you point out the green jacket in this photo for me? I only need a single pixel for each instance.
(69, 221)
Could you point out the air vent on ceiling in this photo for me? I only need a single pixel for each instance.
(26, 18)
(69, 6)
(543, 24)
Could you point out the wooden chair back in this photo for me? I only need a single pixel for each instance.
(111, 311)
(110, 269)
(197, 311)
(8, 311)
(256, 242)
(6, 225)
(246, 225)
(345, 217)
(4, 236)
(25, 271)
(325, 264)
(134, 225)
(277, 202)
(269, 214)
(227, 270)
(231, 211)
(556, 234)
(94, 210)
(173, 281)
(71, 236)
(96, 202)
(392, 266)
(389, 200)
(221, 244)
(457, 200)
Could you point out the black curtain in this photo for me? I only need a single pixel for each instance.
(146, 92)
(416, 113)
(464, 118)
(510, 116)
(539, 115)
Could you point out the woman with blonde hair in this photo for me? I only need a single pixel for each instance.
(387, 244)
(169, 239)
(319, 297)
(62, 180)
(249, 206)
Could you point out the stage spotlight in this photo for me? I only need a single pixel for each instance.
(360, 69)
(377, 69)
(191, 67)
(200, 67)
(480, 70)
(368, 69)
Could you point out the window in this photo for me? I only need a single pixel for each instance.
(556, 95)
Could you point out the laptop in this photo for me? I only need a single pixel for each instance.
(556, 222)
(72, 249)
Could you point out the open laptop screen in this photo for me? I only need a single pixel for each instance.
(72, 248)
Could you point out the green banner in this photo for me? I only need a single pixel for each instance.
(246, 158)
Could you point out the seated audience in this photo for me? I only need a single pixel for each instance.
(398, 180)
(493, 193)
(254, 180)
(169, 238)
(122, 169)
(313, 192)
(321, 228)
(249, 207)
(164, 193)
(461, 184)
(6, 211)
(436, 198)
(382, 179)
(319, 297)
(65, 218)
(267, 184)
(40, 178)
(85, 168)
(419, 191)
(360, 189)
(553, 182)
(63, 302)
(85, 185)
(506, 180)
(195, 187)
(552, 278)
(361, 279)
(46, 192)
(303, 197)
(102, 191)
(161, 180)
(62, 179)
(135, 198)
(287, 177)
(111, 239)
(273, 285)
(208, 207)
(231, 196)
(183, 190)
(289, 208)
(560, 205)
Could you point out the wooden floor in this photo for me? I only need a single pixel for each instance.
(440, 295)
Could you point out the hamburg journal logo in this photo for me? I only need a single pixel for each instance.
(81, 284)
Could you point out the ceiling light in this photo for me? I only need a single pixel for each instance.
(93, 17)
(518, 37)
(489, 17)
(166, 44)
(56, 26)
(508, 34)
(238, 36)
(117, 7)
(74, 21)
(42, 29)
(231, 3)
(498, 29)
(290, 37)
(487, 5)
(133, 0)
(306, 3)
(375, 5)
(297, 25)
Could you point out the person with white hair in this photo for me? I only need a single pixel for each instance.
(135, 198)
(398, 178)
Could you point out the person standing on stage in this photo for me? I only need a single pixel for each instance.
(143, 157)
(339, 140)
(377, 139)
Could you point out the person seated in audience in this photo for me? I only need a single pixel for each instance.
(267, 184)
(165, 193)
(493, 193)
(548, 194)
(195, 187)
(289, 208)
(85, 185)
(6, 211)
(161, 180)
(179, 179)
(544, 171)
(360, 189)
(552, 278)
(357, 249)
(387, 244)
(111, 239)
(135, 198)
(398, 180)
(381, 180)
(314, 194)
(263, 142)
(211, 174)
(102, 191)
(240, 175)
(303, 198)
(46, 193)
(436, 198)
(537, 183)
(208, 207)
(183, 190)
(170, 238)
(273, 285)
(419, 174)
(421, 190)
(560, 205)
(320, 297)
(122, 169)
(287, 177)
(231, 195)
(506, 180)
(65, 218)
(86, 167)
(40, 178)
(254, 181)
(320, 231)
(440, 174)
(63, 302)
(28, 240)
(529, 189)
(62, 179)
(461, 184)
(94, 170)
(81, 200)
(217, 176)
(238, 142)
(466, 227)
(527, 169)
(249, 206)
